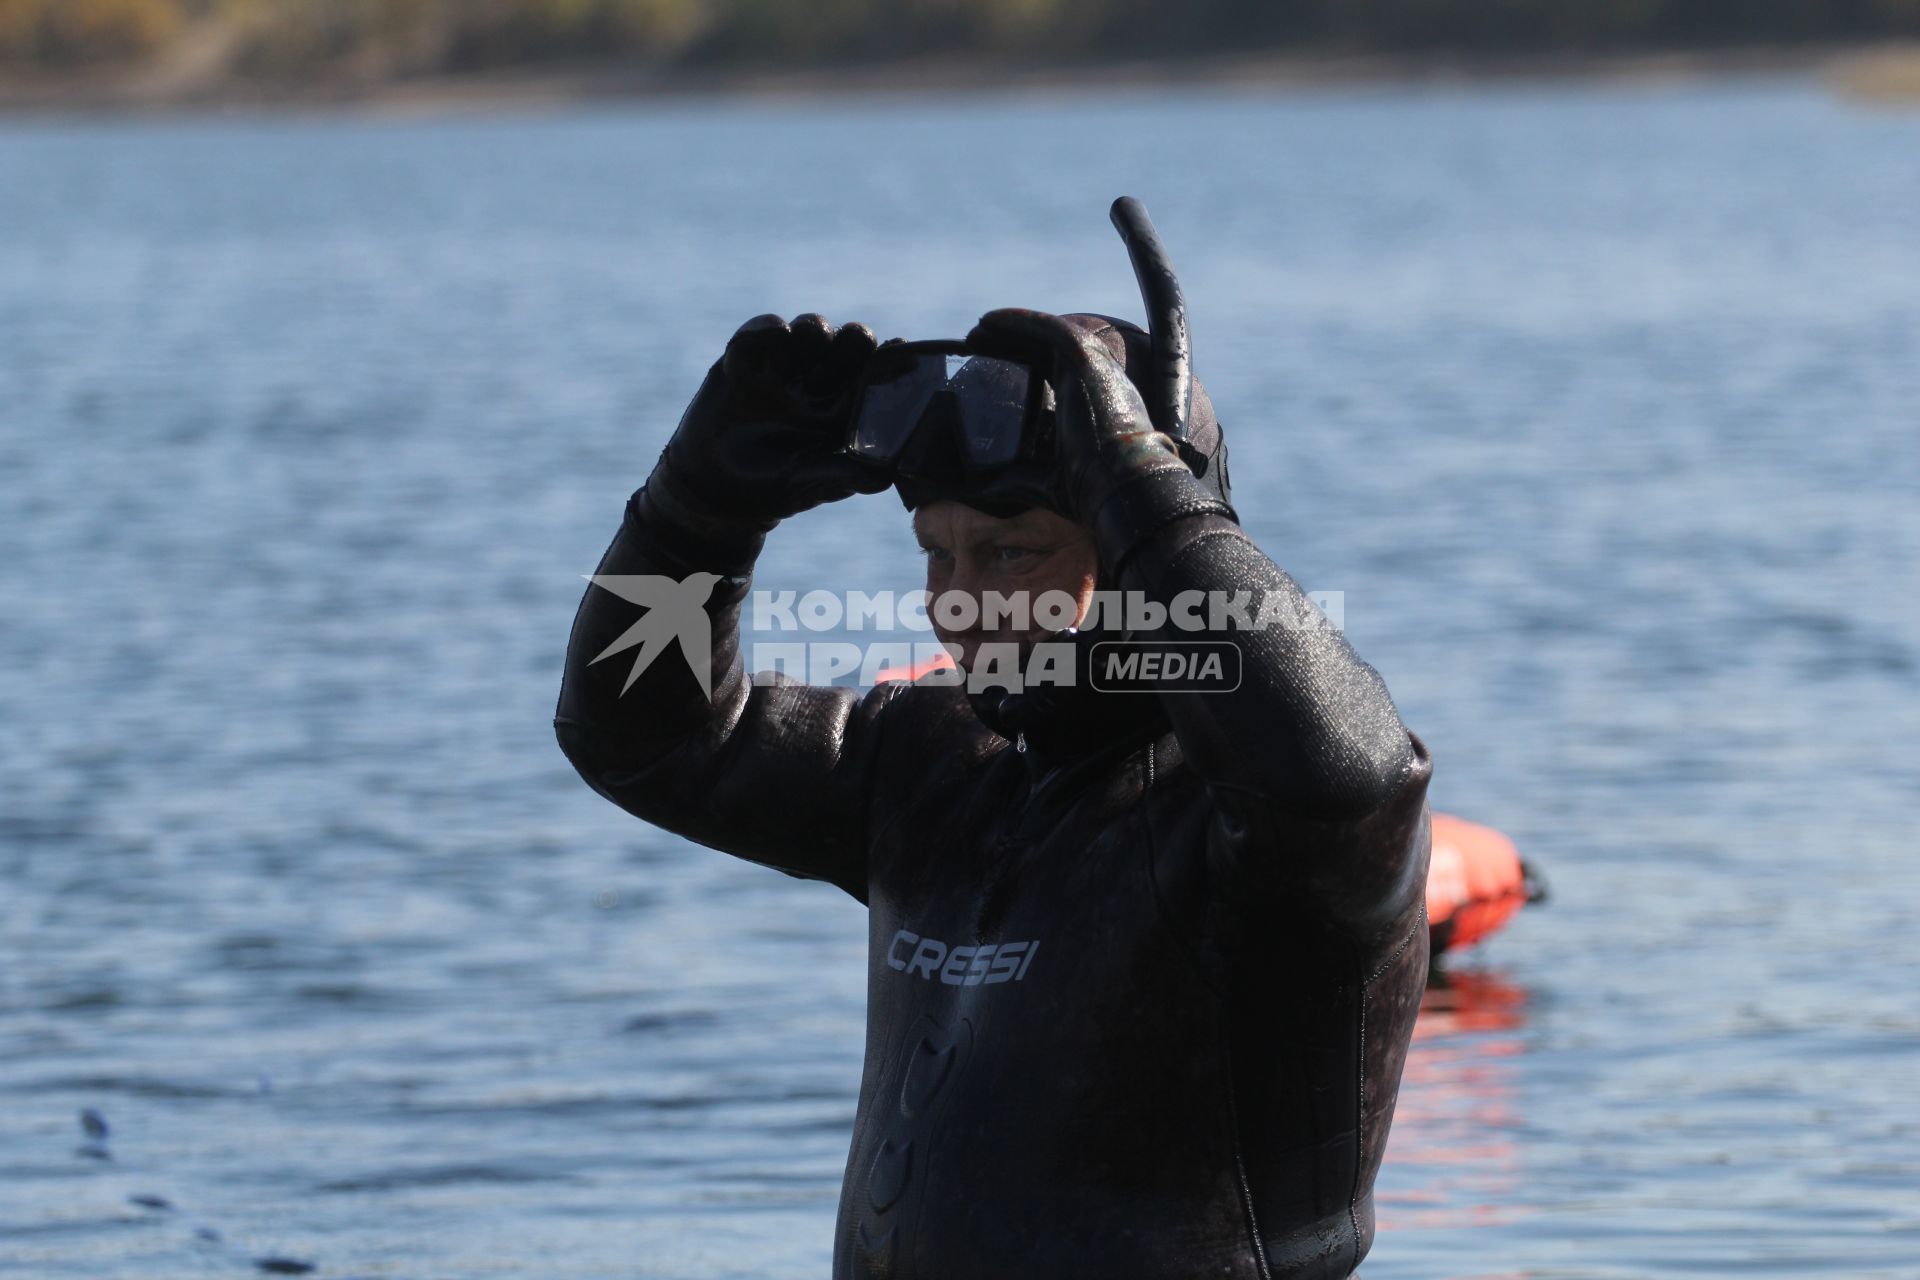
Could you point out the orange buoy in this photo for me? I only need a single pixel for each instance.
(1475, 883)
(938, 662)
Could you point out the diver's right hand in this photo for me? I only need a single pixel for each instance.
(764, 437)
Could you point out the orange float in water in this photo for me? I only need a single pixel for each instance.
(1475, 883)
(938, 662)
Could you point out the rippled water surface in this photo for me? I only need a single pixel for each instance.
(1599, 405)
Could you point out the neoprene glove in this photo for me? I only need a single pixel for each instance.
(1119, 476)
(764, 437)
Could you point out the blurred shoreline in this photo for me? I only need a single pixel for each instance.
(1875, 72)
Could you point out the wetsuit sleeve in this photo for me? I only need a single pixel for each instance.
(778, 773)
(1313, 777)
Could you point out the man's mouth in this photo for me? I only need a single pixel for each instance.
(965, 646)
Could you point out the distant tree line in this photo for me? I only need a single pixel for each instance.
(300, 39)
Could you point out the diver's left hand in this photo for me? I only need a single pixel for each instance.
(1103, 434)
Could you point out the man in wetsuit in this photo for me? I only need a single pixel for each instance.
(1143, 967)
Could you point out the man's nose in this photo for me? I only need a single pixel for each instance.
(960, 587)
(963, 578)
(966, 582)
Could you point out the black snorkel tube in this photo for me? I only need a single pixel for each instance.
(1170, 388)
(1169, 393)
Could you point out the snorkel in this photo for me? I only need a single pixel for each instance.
(1172, 394)
(1169, 389)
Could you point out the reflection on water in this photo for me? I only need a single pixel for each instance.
(1463, 1001)
(1455, 1153)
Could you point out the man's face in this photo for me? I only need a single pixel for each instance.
(971, 553)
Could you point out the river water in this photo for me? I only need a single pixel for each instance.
(1598, 405)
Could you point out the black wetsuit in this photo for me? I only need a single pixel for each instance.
(1139, 995)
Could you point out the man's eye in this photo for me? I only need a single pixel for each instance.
(1012, 553)
(937, 555)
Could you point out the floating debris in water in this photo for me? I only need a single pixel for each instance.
(151, 1202)
(94, 1125)
(275, 1266)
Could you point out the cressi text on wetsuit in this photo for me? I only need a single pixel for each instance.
(1139, 995)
